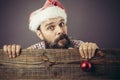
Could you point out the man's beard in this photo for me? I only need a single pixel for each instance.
(55, 45)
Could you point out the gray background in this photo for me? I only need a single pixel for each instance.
(89, 20)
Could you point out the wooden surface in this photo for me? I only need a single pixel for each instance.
(59, 64)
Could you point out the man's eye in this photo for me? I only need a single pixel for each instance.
(61, 24)
(51, 28)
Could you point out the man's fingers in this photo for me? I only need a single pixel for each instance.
(90, 50)
(94, 47)
(5, 48)
(81, 51)
(13, 50)
(18, 47)
(85, 50)
(9, 51)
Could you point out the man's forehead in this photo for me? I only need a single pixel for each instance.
(53, 20)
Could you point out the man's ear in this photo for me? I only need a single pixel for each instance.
(39, 34)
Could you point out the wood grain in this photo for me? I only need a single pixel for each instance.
(59, 64)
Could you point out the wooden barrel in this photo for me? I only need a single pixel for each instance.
(59, 64)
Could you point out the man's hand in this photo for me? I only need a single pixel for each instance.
(12, 50)
(87, 50)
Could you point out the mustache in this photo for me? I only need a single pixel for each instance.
(55, 44)
(63, 36)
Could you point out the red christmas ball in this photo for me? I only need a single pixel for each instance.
(86, 66)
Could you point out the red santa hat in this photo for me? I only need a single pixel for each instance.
(51, 9)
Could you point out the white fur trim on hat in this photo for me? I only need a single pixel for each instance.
(37, 17)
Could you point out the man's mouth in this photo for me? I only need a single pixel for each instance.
(62, 41)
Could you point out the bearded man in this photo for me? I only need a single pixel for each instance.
(49, 24)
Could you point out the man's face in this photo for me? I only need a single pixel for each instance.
(54, 31)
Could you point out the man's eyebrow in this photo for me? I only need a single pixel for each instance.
(49, 24)
(53, 22)
(62, 20)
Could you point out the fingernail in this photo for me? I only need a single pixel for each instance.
(83, 57)
(17, 54)
(10, 56)
(13, 56)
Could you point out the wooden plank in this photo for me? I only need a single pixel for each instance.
(59, 64)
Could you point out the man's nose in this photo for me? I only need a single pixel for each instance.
(59, 31)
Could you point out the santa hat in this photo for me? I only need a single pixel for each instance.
(51, 9)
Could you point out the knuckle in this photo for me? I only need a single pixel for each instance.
(89, 48)
(81, 44)
(90, 43)
(4, 46)
(18, 46)
(9, 46)
(94, 44)
(80, 47)
(13, 45)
